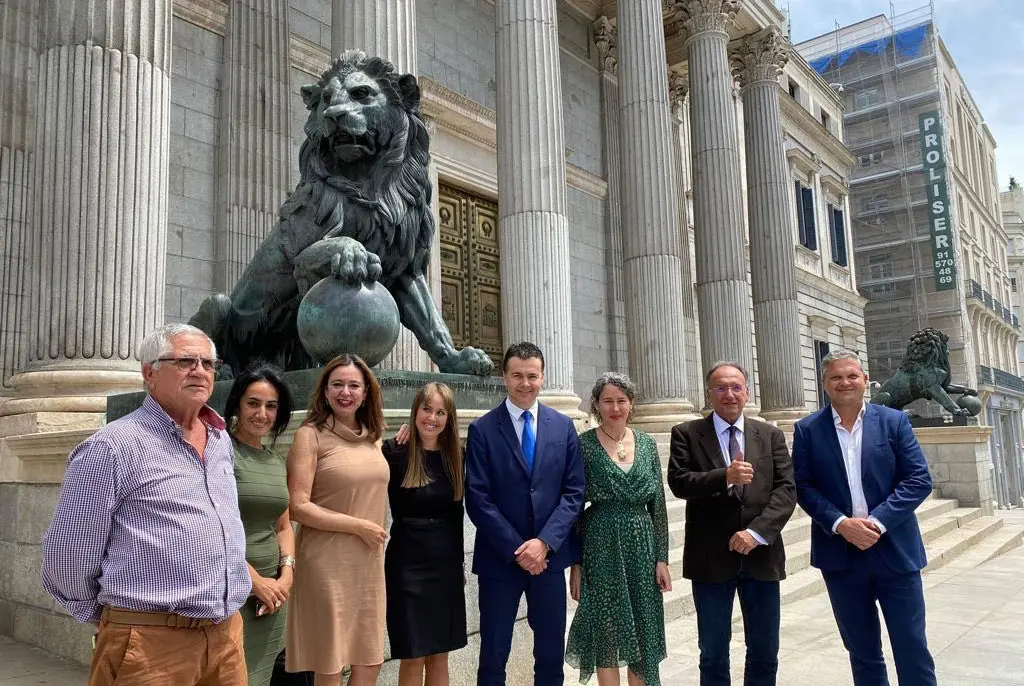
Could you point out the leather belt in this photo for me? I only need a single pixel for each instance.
(116, 615)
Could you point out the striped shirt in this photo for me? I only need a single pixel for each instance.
(144, 523)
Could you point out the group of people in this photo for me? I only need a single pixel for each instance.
(174, 530)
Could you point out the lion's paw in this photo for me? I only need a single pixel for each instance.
(467, 361)
(354, 264)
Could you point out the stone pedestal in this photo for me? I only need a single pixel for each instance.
(959, 462)
(534, 228)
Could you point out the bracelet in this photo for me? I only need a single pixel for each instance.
(287, 561)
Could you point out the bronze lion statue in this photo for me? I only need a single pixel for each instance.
(925, 374)
(361, 210)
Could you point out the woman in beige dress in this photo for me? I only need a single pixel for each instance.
(338, 485)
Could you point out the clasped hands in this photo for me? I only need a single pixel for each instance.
(859, 531)
(273, 593)
(532, 556)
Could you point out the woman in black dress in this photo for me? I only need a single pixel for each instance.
(426, 600)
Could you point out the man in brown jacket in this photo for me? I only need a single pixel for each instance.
(737, 477)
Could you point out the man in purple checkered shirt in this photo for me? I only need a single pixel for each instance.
(147, 541)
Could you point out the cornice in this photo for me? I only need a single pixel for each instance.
(807, 123)
(830, 288)
(834, 183)
(809, 163)
(211, 15)
(308, 56)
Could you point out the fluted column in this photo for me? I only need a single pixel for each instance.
(722, 296)
(652, 241)
(255, 145)
(759, 61)
(385, 28)
(604, 39)
(533, 227)
(100, 203)
(18, 55)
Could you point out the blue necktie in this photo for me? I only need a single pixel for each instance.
(529, 440)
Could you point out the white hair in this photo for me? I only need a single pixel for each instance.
(839, 355)
(157, 343)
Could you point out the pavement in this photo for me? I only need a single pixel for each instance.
(975, 624)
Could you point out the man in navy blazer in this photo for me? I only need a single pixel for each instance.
(860, 474)
(524, 491)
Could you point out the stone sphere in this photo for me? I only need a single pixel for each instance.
(971, 403)
(336, 317)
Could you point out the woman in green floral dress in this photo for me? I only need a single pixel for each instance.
(620, 619)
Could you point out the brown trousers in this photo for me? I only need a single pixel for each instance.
(135, 655)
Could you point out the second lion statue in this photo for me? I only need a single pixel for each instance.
(362, 205)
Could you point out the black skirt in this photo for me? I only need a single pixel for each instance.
(426, 610)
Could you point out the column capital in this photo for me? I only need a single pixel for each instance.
(678, 88)
(699, 16)
(760, 57)
(604, 39)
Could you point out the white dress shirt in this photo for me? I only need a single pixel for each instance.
(722, 431)
(850, 443)
(516, 413)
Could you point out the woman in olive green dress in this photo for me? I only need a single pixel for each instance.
(620, 619)
(259, 404)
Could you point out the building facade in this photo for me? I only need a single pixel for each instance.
(1012, 204)
(930, 246)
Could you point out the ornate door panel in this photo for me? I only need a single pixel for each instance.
(470, 277)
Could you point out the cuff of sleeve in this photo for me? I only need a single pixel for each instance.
(85, 611)
(757, 537)
(881, 527)
(838, 521)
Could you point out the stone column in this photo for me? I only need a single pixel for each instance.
(533, 226)
(678, 90)
(255, 144)
(385, 28)
(604, 39)
(97, 259)
(652, 241)
(722, 297)
(18, 55)
(759, 61)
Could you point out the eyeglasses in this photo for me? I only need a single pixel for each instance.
(722, 390)
(187, 364)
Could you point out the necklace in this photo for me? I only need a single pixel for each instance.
(620, 449)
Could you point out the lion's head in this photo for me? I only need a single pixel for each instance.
(927, 348)
(362, 114)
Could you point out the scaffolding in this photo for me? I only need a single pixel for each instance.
(887, 72)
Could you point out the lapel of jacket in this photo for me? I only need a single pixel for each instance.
(543, 428)
(869, 433)
(708, 440)
(509, 432)
(753, 448)
(827, 426)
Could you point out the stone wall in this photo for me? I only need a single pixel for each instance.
(191, 240)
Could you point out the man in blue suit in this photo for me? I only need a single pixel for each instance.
(524, 491)
(860, 474)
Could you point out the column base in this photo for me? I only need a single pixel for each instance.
(67, 390)
(568, 404)
(660, 417)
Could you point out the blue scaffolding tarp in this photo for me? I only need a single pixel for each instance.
(909, 43)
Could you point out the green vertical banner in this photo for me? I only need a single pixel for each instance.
(933, 159)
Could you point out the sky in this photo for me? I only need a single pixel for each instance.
(986, 40)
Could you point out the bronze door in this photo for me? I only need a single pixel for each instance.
(470, 276)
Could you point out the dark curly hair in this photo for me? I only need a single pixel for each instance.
(261, 371)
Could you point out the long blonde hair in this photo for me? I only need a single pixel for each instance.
(451, 449)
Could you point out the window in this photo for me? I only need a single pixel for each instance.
(821, 349)
(805, 217)
(880, 266)
(872, 158)
(826, 120)
(837, 235)
(867, 98)
(1013, 284)
(875, 203)
(794, 90)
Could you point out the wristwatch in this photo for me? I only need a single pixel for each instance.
(287, 561)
